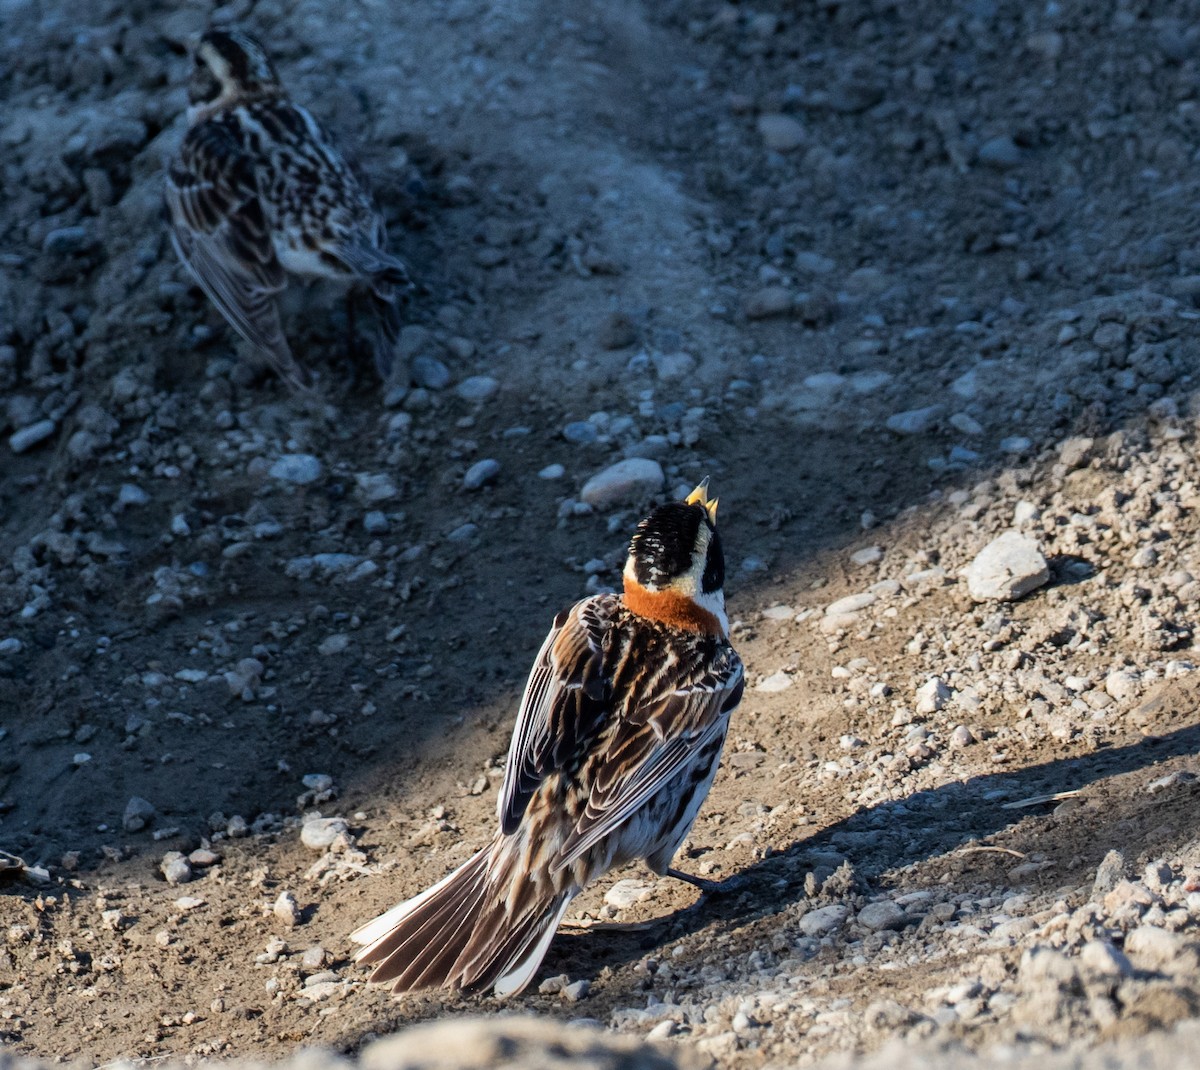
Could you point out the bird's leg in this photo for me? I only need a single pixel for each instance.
(730, 884)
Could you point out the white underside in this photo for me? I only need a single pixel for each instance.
(300, 261)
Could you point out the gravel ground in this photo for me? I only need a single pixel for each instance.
(915, 286)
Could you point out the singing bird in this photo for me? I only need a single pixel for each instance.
(258, 191)
(616, 744)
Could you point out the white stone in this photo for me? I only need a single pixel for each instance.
(777, 681)
(626, 482)
(824, 919)
(30, 436)
(779, 613)
(932, 695)
(1123, 685)
(480, 473)
(552, 471)
(376, 487)
(671, 367)
(1015, 444)
(298, 468)
(961, 737)
(914, 421)
(320, 833)
(1008, 568)
(286, 909)
(1024, 512)
(625, 893)
(129, 494)
(477, 388)
(868, 555)
(138, 814)
(868, 382)
(852, 603)
(966, 386)
(781, 133)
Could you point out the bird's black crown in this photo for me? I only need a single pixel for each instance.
(666, 542)
(230, 57)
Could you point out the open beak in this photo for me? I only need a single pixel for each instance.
(700, 497)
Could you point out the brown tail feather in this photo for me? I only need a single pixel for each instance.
(459, 935)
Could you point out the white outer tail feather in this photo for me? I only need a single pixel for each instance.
(374, 931)
(518, 974)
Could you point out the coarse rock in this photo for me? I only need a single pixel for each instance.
(525, 1042)
(1123, 685)
(777, 681)
(781, 133)
(932, 695)
(852, 603)
(138, 814)
(518, 1043)
(626, 482)
(915, 421)
(1074, 451)
(1008, 568)
(672, 367)
(625, 893)
(1001, 153)
(882, 915)
(28, 437)
(477, 388)
(298, 468)
(286, 909)
(868, 555)
(769, 301)
(175, 868)
(1154, 948)
(429, 372)
(321, 833)
(481, 473)
(824, 919)
(1108, 874)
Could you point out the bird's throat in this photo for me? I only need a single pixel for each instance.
(668, 607)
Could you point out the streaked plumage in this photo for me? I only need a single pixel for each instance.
(259, 191)
(616, 744)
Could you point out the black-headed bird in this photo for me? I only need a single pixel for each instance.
(258, 191)
(616, 744)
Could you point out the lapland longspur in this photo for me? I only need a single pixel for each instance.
(616, 744)
(259, 191)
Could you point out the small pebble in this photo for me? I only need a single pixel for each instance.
(30, 436)
(626, 482)
(286, 909)
(138, 814)
(481, 473)
(175, 868)
(320, 833)
(477, 388)
(298, 468)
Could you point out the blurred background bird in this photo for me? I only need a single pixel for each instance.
(258, 191)
(616, 744)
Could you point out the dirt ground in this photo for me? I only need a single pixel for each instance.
(897, 276)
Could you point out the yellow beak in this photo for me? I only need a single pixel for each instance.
(700, 497)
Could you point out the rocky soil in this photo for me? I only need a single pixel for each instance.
(915, 284)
